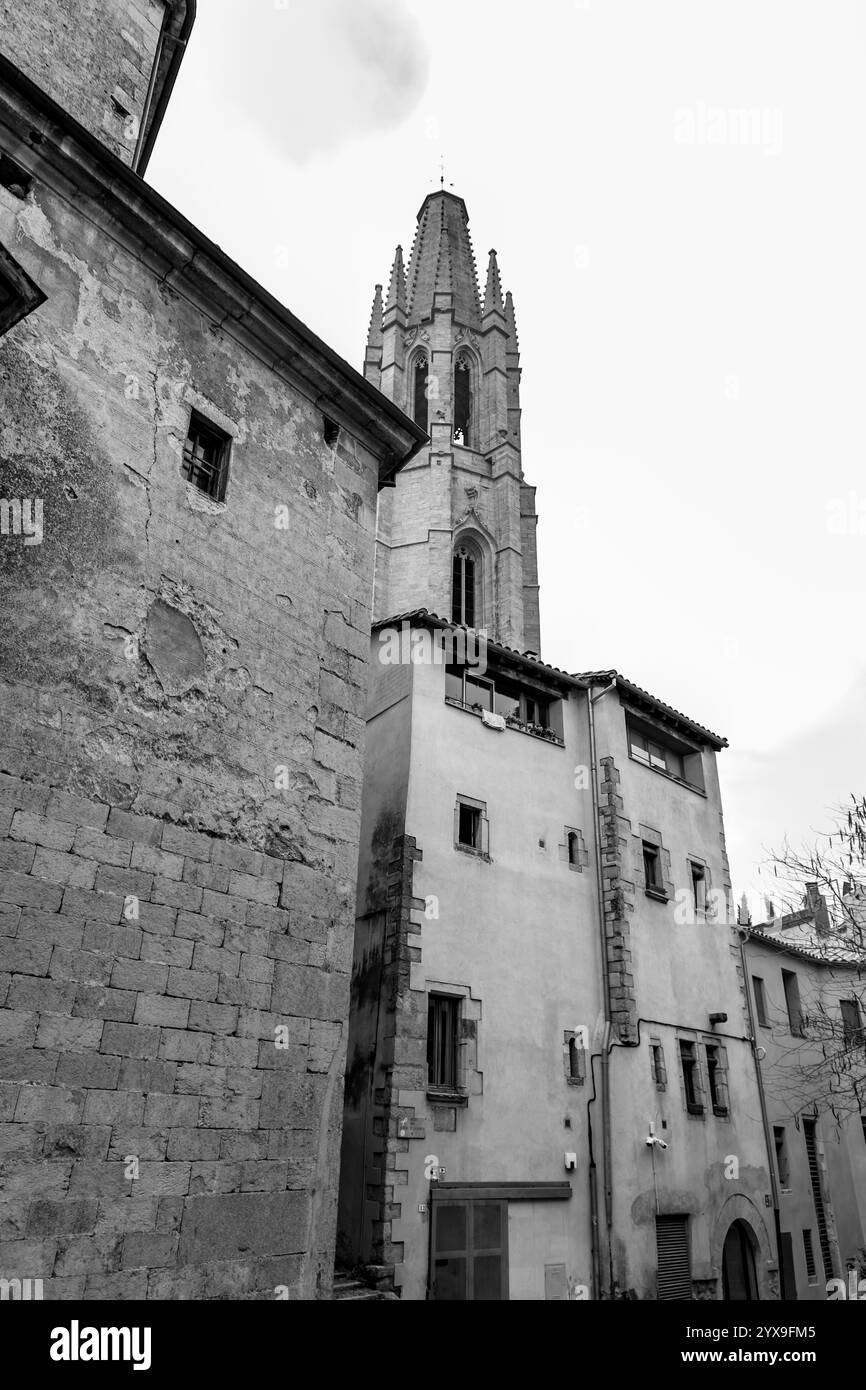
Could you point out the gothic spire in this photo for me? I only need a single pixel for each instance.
(397, 283)
(511, 324)
(443, 222)
(493, 293)
(374, 335)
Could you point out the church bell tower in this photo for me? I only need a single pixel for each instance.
(456, 535)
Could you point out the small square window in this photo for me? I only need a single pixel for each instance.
(206, 457)
(652, 868)
(471, 830)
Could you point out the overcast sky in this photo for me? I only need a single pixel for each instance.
(690, 294)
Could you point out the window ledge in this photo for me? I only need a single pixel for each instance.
(659, 896)
(721, 1112)
(446, 1095)
(473, 853)
(696, 1110)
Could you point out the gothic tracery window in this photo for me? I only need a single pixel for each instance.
(466, 585)
(463, 400)
(420, 403)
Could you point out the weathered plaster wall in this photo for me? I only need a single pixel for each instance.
(518, 938)
(790, 1069)
(94, 57)
(674, 975)
(363, 1181)
(182, 688)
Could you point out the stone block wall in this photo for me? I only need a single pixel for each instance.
(94, 57)
(182, 686)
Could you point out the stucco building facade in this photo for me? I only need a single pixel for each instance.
(551, 1084)
(809, 1002)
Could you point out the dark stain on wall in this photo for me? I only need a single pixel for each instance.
(48, 451)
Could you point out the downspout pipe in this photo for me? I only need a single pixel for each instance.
(771, 1161)
(605, 994)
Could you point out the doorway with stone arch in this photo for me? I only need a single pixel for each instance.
(739, 1274)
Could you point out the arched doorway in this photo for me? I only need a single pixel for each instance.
(739, 1279)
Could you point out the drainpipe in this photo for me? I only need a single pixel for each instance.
(771, 1161)
(605, 994)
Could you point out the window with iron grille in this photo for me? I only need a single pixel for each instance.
(443, 1022)
(206, 457)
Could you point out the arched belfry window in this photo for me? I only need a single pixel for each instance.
(466, 586)
(463, 400)
(420, 403)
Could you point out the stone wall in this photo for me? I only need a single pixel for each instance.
(94, 57)
(182, 685)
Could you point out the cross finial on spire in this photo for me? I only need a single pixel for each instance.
(442, 172)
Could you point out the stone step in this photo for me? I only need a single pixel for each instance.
(347, 1288)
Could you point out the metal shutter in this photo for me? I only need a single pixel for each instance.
(672, 1244)
(818, 1196)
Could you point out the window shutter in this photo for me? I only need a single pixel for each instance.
(672, 1245)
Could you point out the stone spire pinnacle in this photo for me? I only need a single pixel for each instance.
(397, 283)
(374, 335)
(511, 324)
(443, 221)
(493, 293)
